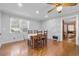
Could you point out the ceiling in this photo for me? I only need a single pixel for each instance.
(29, 10)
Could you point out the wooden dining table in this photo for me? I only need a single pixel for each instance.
(37, 37)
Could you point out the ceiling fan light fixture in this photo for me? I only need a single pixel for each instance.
(59, 8)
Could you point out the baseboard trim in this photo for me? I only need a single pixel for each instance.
(11, 41)
(77, 44)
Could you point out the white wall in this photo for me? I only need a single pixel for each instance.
(11, 37)
(34, 25)
(0, 28)
(53, 26)
(78, 29)
(0, 22)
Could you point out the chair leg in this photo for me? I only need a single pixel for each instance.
(40, 44)
(28, 43)
(46, 42)
(43, 42)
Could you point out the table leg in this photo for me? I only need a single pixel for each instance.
(33, 43)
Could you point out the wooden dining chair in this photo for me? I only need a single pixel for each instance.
(39, 38)
(36, 42)
(33, 42)
(35, 31)
(42, 38)
(45, 39)
(30, 42)
(30, 31)
(34, 45)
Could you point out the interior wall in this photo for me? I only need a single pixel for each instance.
(53, 26)
(0, 22)
(0, 28)
(78, 30)
(34, 25)
(11, 37)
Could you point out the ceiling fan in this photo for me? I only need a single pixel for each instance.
(59, 6)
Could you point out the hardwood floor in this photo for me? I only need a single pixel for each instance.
(53, 48)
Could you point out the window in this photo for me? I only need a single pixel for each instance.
(14, 25)
(71, 28)
(24, 25)
(18, 25)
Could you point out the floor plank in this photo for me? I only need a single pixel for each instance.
(53, 48)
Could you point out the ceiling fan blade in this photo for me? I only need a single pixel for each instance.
(56, 4)
(69, 4)
(52, 9)
(63, 4)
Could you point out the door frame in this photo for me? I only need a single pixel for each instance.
(67, 24)
(76, 18)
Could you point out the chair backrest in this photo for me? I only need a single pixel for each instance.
(45, 32)
(35, 31)
(30, 31)
(39, 33)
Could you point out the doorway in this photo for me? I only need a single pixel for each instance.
(69, 31)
